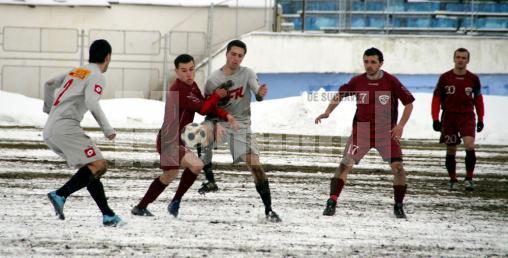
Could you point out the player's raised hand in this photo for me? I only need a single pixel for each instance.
(234, 124)
(322, 116)
(111, 136)
(221, 92)
(263, 90)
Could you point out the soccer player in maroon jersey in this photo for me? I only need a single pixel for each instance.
(184, 99)
(374, 126)
(458, 93)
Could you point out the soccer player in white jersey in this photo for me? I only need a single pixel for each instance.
(66, 99)
(240, 82)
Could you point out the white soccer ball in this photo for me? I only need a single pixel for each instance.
(194, 134)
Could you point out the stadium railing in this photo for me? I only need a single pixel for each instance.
(398, 16)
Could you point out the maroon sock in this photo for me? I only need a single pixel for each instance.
(399, 192)
(450, 167)
(336, 185)
(155, 189)
(470, 163)
(186, 182)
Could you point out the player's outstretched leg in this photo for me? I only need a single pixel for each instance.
(58, 203)
(399, 188)
(96, 190)
(174, 207)
(186, 181)
(112, 221)
(209, 185)
(263, 188)
(398, 208)
(451, 164)
(336, 185)
(470, 164)
(155, 189)
(79, 180)
(330, 207)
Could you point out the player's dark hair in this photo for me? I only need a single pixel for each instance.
(463, 50)
(183, 59)
(237, 43)
(374, 52)
(98, 51)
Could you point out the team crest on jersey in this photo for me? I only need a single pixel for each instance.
(194, 98)
(468, 90)
(80, 73)
(383, 99)
(98, 89)
(90, 152)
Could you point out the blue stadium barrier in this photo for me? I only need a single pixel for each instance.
(358, 21)
(455, 7)
(495, 23)
(503, 8)
(444, 23)
(485, 8)
(322, 22)
(375, 6)
(283, 85)
(419, 7)
(418, 22)
(376, 21)
(317, 22)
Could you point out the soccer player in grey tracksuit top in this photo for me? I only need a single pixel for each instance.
(240, 81)
(66, 99)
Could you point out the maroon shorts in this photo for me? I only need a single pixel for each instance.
(357, 146)
(455, 126)
(173, 154)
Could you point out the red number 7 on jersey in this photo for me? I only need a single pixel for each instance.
(65, 88)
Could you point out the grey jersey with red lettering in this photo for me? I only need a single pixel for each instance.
(245, 81)
(69, 96)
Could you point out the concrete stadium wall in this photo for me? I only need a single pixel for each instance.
(293, 63)
(324, 53)
(39, 42)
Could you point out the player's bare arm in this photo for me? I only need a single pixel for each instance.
(221, 92)
(398, 129)
(333, 104)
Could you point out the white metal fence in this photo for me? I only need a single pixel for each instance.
(142, 59)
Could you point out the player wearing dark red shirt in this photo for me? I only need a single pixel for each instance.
(374, 126)
(184, 99)
(458, 93)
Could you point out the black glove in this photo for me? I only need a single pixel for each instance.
(437, 126)
(479, 126)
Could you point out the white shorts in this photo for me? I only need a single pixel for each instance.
(240, 143)
(77, 149)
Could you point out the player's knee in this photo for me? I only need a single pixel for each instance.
(258, 170)
(469, 146)
(344, 168)
(258, 173)
(451, 149)
(98, 167)
(197, 167)
(398, 168)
